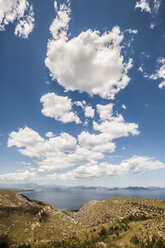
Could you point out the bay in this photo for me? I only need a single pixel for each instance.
(74, 199)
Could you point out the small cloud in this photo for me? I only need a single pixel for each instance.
(89, 112)
(49, 134)
(80, 104)
(86, 123)
(20, 11)
(25, 26)
(140, 68)
(159, 73)
(105, 111)
(143, 5)
(123, 106)
(156, 6)
(59, 108)
(131, 31)
(152, 25)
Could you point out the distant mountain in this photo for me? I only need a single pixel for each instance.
(30, 186)
(116, 222)
(136, 188)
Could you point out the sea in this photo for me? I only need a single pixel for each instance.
(74, 199)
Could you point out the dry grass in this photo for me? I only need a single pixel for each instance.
(40, 225)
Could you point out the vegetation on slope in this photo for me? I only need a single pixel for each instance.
(117, 222)
(30, 222)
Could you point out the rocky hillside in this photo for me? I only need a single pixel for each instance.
(117, 222)
(25, 221)
(99, 212)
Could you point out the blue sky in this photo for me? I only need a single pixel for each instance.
(82, 87)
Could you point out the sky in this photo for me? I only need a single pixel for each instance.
(82, 92)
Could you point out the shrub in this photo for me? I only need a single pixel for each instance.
(4, 241)
(25, 246)
(134, 240)
(103, 231)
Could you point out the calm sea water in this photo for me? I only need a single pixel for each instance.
(75, 199)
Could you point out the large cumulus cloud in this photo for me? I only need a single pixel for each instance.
(91, 62)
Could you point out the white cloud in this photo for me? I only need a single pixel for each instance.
(152, 25)
(123, 106)
(18, 177)
(116, 128)
(49, 134)
(80, 156)
(150, 6)
(111, 127)
(162, 85)
(140, 68)
(64, 151)
(105, 111)
(54, 153)
(134, 165)
(59, 108)
(25, 26)
(156, 6)
(60, 25)
(31, 144)
(91, 62)
(143, 5)
(65, 142)
(109, 130)
(89, 112)
(20, 11)
(131, 31)
(80, 104)
(86, 122)
(159, 74)
(99, 142)
(25, 138)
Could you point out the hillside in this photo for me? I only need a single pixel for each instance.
(25, 221)
(96, 212)
(117, 222)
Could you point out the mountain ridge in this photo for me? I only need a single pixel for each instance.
(19, 187)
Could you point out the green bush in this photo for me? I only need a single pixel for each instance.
(25, 246)
(4, 241)
(103, 231)
(134, 240)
